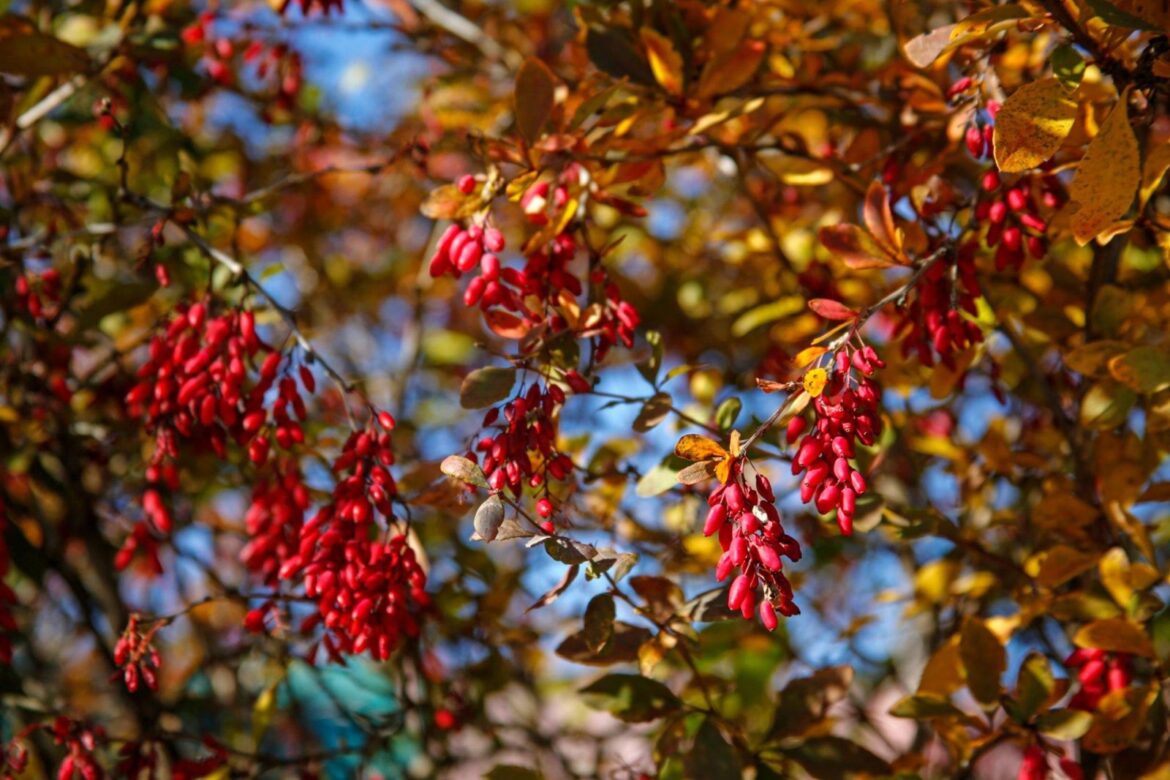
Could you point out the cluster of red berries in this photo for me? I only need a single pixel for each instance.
(137, 657)
(274, 520)
(846, 412)
(1034, 765)
(523, 451)
(461, 251)
(933, 322)
(1099, 673)
(81, 741)
(276, 60)
(197, 385)
(1012, 214)
(368, 584)
(38, 294)
(753, 541)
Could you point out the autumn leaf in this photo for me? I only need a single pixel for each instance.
(855, 247)
(1107, 177)
(535, 86)
(695, 447)
(665, 62)
(26, 51)
(879, 219)
(730, 70)
(1032, 124)
(831, 310)
(814, 381)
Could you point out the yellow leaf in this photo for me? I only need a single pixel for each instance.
(943, 674)
(1107, 177)
(814, 381)
(729, 71)
(1032, 124)
(1058, 565)
(808, 355)
(723, 471)
(1117, 635)
(1154, 168)
(694, 447)
(665, 62)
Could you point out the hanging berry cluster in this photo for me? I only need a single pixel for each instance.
(523, 451)
(136, 656)
(1099, 673)
(845, 411)
(200, 386)
(38, 294)
(276, 62)
(367, 581)
(1011, 214)
(933, 322)
(753, 541)
(274, 520)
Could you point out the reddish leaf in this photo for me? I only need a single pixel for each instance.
(831, 310)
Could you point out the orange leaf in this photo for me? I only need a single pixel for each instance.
(879, 220)
(832, 310)
(694, 447)
(506, 325)
(535, 85)
(665, 62)
(723, 470)
(808, 355)
(855, 248)
(730, 71)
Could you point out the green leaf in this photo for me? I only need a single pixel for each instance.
(1064, 724)
(534, 97)
(922, 706)
(836, 757)
(710, 755)
(486, 386)
(1035, 685)
(599, 617)
(1144, 370)
(984, 661)
(728, 413)
(1068, 66)
(631, 697)
(1111, 14)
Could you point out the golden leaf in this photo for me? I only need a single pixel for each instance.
(665, 62)
(694, 447)
(808, 355)
(1107, 178)
(814, 381)
(1032, 124)
(1117, 635)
